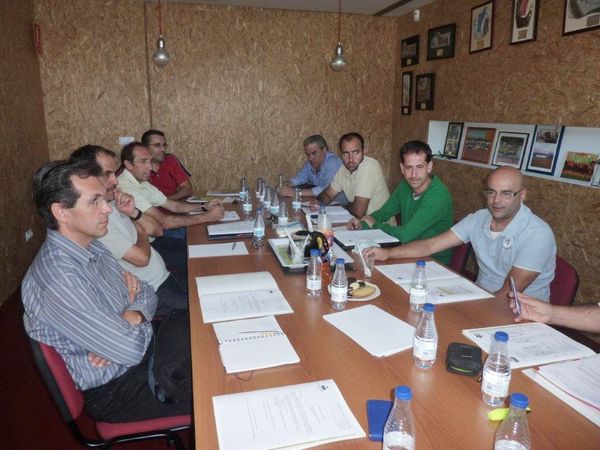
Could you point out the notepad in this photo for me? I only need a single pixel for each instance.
(240, 296)
(213, 250)
(348, 238)
(231, 229)
(253, 344)
(375, 330)
(335, 214)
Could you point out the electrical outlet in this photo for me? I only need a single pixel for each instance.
(124, 140)
(28, 234)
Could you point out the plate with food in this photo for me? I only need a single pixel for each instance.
(360, 290)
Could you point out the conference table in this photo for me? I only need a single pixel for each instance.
(447, 408)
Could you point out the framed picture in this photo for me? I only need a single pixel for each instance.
(579, 166)
(453, 136)
(409, 51)
(482, 27)
(425, 87)
(510, 149)
(440, 42)
(406, 92)
(478, 144)
(544, 149)
(581, 16)
(524, 21)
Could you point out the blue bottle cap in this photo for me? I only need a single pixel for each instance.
(519, 400)
(315, 252)
(429, 307)
(420, 263)
(501, 336)
(340, 261)
(403, 393)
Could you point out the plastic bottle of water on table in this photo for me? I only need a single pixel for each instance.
(513, 432)
(399, 429)
(496, 371)
(425, 341)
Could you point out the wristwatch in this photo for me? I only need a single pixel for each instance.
(137, 216)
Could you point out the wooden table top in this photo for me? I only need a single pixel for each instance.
(448, 409)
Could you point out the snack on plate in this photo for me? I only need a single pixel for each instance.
(359, 289)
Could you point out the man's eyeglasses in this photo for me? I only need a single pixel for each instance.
(159, 144)
(505, 195)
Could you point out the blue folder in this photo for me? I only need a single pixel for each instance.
(377, 414)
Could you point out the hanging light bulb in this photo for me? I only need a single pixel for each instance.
(161, 56)
(338, 62)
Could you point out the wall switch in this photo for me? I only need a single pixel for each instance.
(28, 234)
(124, 140)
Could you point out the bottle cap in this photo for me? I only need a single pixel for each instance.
(519, 400)
(501, 336)
(315, 252)
(420, 263)
(403, 393)
(340, 261)
(429, 307)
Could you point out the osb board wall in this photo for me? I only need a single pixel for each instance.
(552, 80)
(93, 72)
(245, 87)
(23, 145)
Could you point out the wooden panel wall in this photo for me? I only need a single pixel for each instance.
(552, 80)
(23, 145)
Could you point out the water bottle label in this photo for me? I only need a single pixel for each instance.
(504, 444)
(259, 232)
(418, 296)
(247, 207)
(274, 210)
(296, 205)
(339, 294)
(313, 284)
(495, 384)
(398, 440)
(425, 350)
(282, 220)
(242, 195)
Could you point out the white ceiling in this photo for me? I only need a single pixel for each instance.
(368, 7)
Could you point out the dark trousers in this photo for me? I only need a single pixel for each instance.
(171, 295)
(174, 253)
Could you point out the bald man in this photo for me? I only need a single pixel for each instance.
(508, 239)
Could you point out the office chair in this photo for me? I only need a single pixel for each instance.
(458, 263)
(70, 402)
(565, 283)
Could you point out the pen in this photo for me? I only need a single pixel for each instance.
(233, 246)
(514, 290)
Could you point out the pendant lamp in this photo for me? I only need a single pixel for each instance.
(338, 62)
(161, 57)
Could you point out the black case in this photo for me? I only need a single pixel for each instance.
(463, 359)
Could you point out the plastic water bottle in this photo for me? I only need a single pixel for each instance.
(247, 203)
(496, 371)
(243, 188)
(339, 286)
(267, 198)
(259, 182)
(282, 217)
(297, 203)
(274, 206)
(426, 339)
(418, 287)
(313, 273)
(399, 429)
(280, 181)
(261, 191)
(513, 432)
(258, 240)
(323, 223)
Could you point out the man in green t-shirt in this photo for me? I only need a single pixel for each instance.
(422, 200)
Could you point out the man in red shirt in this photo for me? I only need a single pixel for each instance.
(168, 174)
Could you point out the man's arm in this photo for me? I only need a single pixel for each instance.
(184, 190)
(169, 221)
(358, 208)
(326, 197)
(139, 253)
(523, 278)
(126, 204)
(417, 249)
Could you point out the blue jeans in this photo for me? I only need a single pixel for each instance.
(171, 295)
(174, 253)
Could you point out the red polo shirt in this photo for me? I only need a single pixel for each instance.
(170, 175)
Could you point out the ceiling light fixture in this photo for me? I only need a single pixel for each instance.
(338, 62)
(161, 57)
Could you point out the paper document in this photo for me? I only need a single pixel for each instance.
(230, 215)
(531, 344)
(402, 273)
(375, 330)
(348, 238)
(212, 250)
(252, 344)
(194, 199)
(336, 214)
(298, 416)
(231, 228)
(222, 194)
(240, 296)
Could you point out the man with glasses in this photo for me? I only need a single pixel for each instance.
(508, 239)
(168, 174)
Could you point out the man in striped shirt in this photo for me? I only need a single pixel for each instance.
(78, 300)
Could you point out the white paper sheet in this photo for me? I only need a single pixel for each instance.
(348, 238)
(336, 214)
(213, 250)
(402, 273)
(231, 228)
(298, 416)
(451, 290)
(229, 216)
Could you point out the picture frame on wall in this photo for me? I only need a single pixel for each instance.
(424, 91)
(545, 147)
(440, 42)
(482, 27)
(478, 145)
(581, 16)
(524, 21)
(510, 149)
(409, 51)
(452, 143)
(579, 166)
(406, 92)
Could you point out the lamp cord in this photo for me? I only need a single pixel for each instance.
(339, 21)
(160, 19)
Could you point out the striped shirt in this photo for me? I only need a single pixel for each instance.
(74, 298)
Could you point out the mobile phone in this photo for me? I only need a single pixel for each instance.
(514, 290)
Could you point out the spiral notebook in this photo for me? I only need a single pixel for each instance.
(252, 344)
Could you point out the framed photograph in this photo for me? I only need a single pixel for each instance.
(440, 42)
(581, 15)
(409, 51)
(579, 166)
(406, 92)
(453, 136)
(482, 27)
(544, 149)
(478, 144)
(510, 149)
(524, 21)
(425, 87)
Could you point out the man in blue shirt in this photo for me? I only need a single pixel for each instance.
(508, 239)
(78, 300)
(317, 172)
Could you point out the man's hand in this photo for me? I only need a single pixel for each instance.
(133, 317)
(368, 220)
(213, 203)
(531, 308)
(378, 253)
(215, 213)
(97, 361)
(286, 191)
(133, 285)
(125, 203)
(354, 224)
(314, 205)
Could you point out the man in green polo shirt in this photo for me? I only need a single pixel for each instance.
(422, 200)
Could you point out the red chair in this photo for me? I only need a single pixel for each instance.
(69, 400)
(458, 263)
(565, 283)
